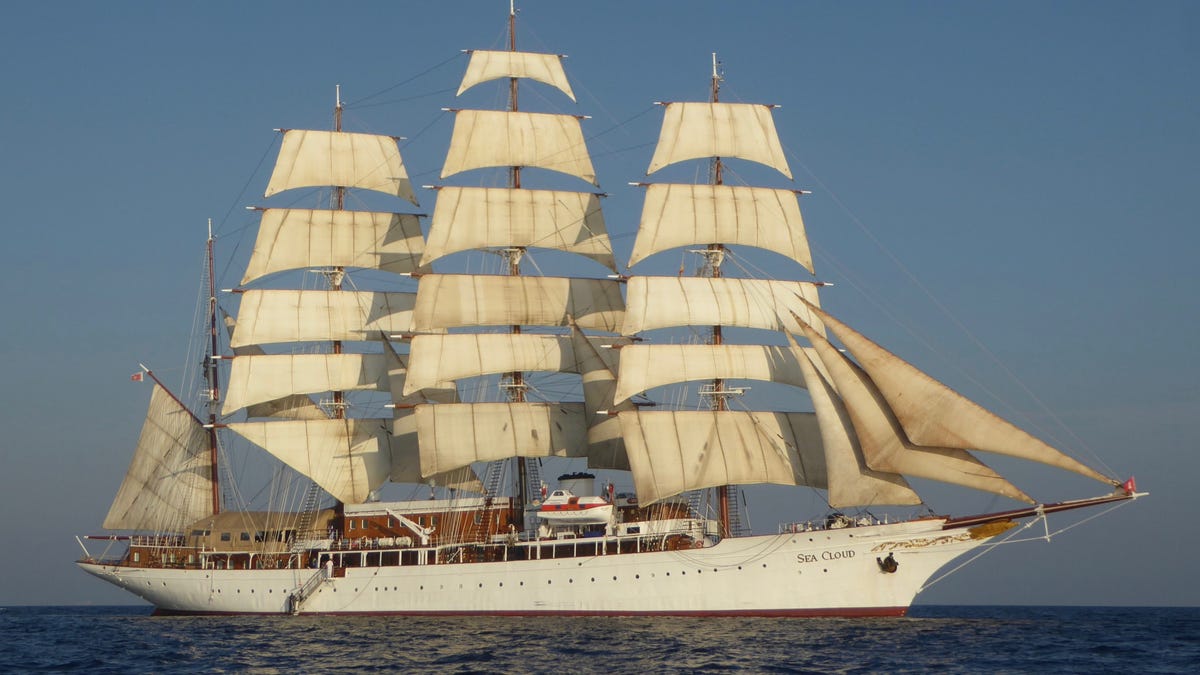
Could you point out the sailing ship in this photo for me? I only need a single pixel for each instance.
(492, 536)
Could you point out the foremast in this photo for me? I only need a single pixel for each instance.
(873, 422)
(676, 451)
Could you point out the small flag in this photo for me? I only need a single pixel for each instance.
(1130, 486)
(137, 377)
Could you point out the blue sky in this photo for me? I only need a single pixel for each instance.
(1001, 194)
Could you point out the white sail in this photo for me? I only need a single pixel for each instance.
(598, 365)
(851, 481)
(337, 158)
(486, 66)
(349, 458)
(490, 138)
(645, 366)
(406, 459)
(458, 435)
(663, 302)
(475, 218)
(675, 215)
(291, 239)
(169, 481)
(933, 414)
(447, 358)
(294, 407)
(675, 451)
(698, 130)
(397, 365)
(258, 379)
(454, 300)
(883, 442)
(298, 316)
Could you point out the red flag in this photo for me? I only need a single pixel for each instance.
(137, 377)
(1130, 486)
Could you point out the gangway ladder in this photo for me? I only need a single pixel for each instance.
(491, 491)
(534, 474)
(736, 527)
(308, 513)
(297, 598)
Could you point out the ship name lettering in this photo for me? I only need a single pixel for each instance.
(837, 555)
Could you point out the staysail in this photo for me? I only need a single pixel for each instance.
(169, 481)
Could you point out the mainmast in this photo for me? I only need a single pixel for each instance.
(508, 220)
(515, 385)
(338, 272)
(214, 391)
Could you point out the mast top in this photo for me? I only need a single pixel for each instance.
(337, 107)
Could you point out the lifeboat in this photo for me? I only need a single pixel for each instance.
(563, 507)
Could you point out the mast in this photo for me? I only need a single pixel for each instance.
(714, 255)
(516, 379)
(214, 392)
(335, 276)
(508, 221)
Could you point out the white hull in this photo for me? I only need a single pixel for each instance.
(820, 573)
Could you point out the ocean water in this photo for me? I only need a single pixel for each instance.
(934, 638)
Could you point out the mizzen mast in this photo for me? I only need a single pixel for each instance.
(213, 373)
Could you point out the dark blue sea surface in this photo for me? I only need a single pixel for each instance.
(933, 638)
